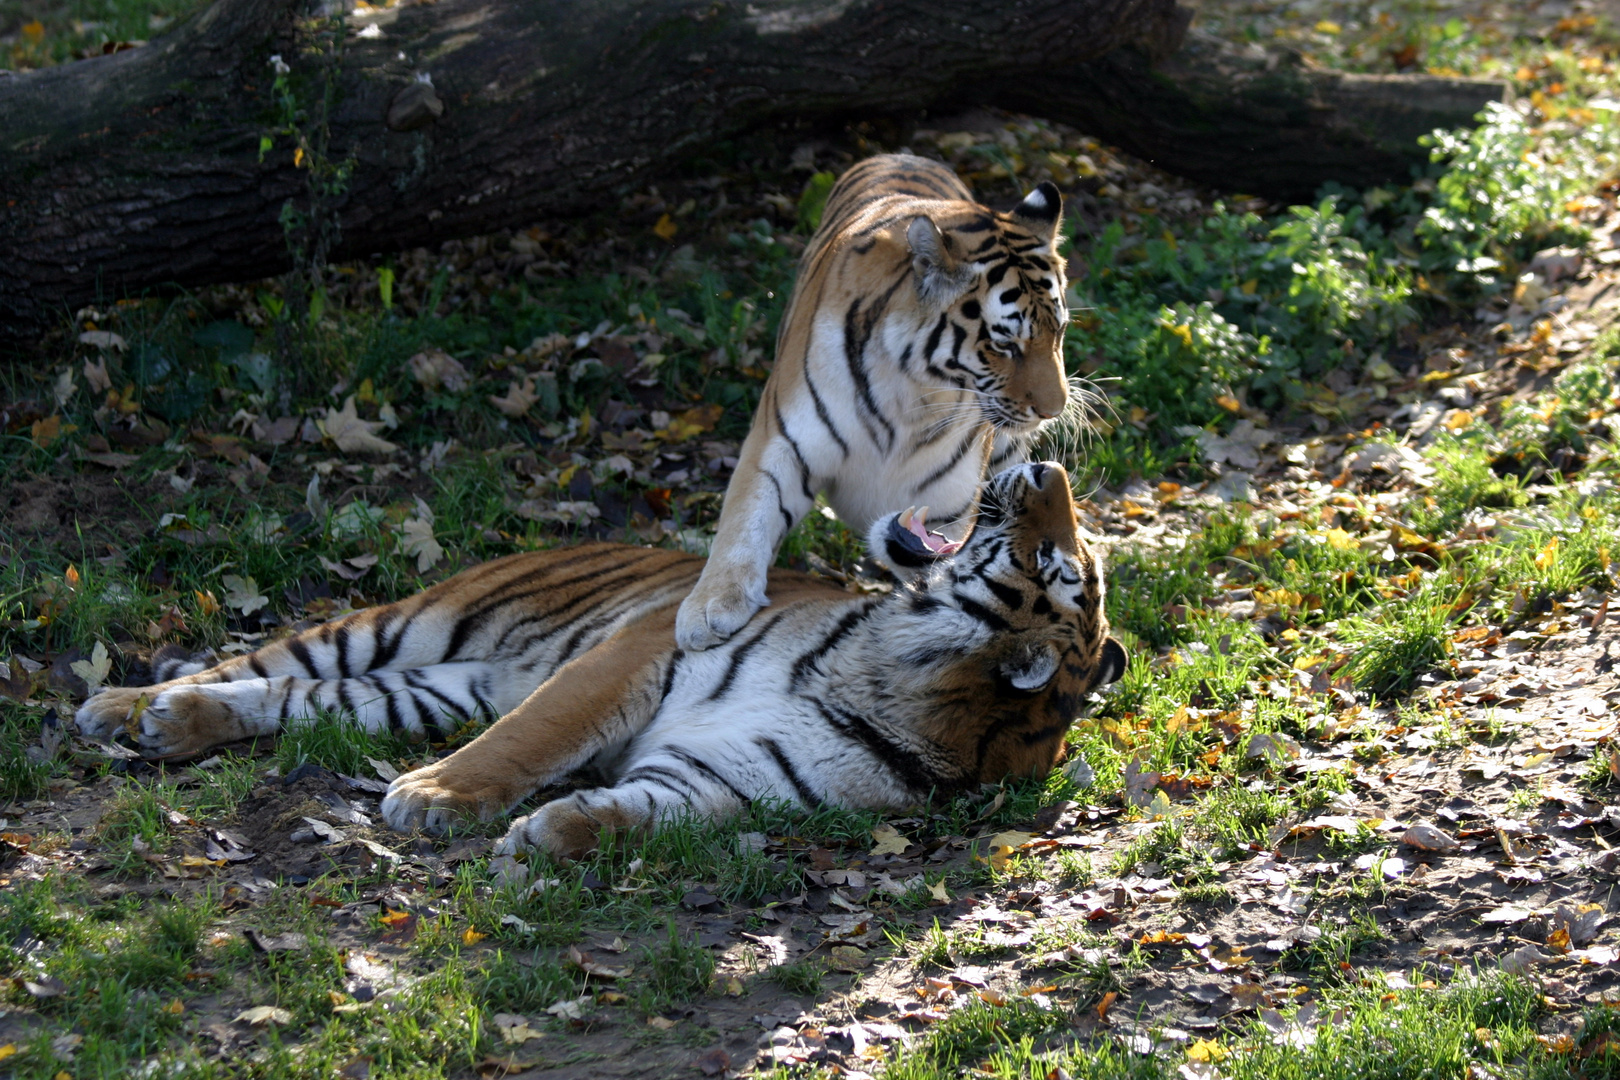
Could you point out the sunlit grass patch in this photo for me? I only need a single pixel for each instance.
(1391, 649)
(1486, 1022)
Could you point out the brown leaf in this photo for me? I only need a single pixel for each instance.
(518, 399)
(716, 1061)
(351, 434)
(434, 368)
(46, 986)
(1427, 837)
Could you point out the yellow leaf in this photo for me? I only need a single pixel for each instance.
(207, 602)
(394, 918)
(35, 32)
(1547, 555)
(71, 577)
(175, 1007)
(48, 430)
(1229, 403)
(1328, 26)
(1004, 844)
(1457, 419)
(937, 891)
(1206, 1050)
(1248, 287)
(470, 936)
(298, 158)
(1340, 539)
(666, 228)
(7, 1050)
(1183, 332)
(889, 841)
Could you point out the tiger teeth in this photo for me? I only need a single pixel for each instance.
(905, 518)
(922, 515)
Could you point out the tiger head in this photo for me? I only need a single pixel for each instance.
(1019, 602)
(993, 287)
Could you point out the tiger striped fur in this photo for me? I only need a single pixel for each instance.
(970, 670)
(921, 350)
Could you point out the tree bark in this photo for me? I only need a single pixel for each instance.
(440, 119)
(143, 168)
(1253, 120)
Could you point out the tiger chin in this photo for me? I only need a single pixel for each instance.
(970, 670)
(921, 350)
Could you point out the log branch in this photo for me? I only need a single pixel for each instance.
(455, 117)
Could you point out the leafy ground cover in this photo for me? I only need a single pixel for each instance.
(1347, 814)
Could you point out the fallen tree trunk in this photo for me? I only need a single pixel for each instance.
(457, 116)
(1254, 120)
(188, 162)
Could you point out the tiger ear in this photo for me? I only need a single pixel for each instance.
(1111, 662)
(941, 276)
(1041, 210)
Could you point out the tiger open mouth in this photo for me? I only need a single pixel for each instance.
(910, 531)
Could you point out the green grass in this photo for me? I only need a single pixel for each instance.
(335, 742)
(1401, 1035)
(1186, 321)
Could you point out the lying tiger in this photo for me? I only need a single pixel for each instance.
(921, 351)
(970, 670)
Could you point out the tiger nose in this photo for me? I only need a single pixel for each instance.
(1048, 401)
(1042, 474)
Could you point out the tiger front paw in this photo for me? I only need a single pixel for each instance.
(560, 828)
(717, 608)
(187, 719)
(102, 716)
(430, 799)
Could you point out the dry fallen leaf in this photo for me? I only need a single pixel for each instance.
(1427, 837)
(1139, 783)
(351, 434)
(95, 374)
(243, 594)
(889, 841)
(570, 1009)
(518, 399)
(260, 1015)
(416, 538)
(1520, 960)
(103, 339)
(1003, 845)
(95, 670)
(434, 368)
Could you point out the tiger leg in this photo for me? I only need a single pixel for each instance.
(770, 491)
(660, 789)
(593, 702)
(188, 717)
(340, 649)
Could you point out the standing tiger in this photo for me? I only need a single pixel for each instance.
(921, 350)
(970, 670)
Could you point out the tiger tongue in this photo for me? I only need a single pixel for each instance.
(933, 541)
